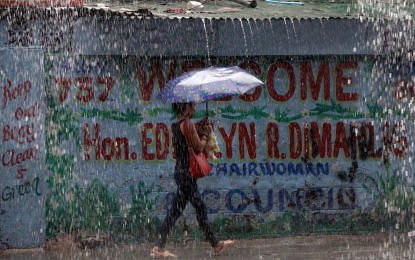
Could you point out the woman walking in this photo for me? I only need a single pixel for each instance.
(187, 190)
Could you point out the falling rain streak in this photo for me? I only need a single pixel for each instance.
(325, 143)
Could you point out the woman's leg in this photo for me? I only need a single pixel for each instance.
(178, 205)
(201, 211)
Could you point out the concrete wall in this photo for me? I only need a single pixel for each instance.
(86, 146)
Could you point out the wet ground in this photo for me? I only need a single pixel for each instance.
(378, 246)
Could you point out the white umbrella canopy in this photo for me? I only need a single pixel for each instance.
(208, 84)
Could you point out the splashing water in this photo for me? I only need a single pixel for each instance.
(294, 30)
(244, 34)
(252, 33)
(207, 42)
(392, 89)
(286, 28)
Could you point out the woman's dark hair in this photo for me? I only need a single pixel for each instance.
(179, 108)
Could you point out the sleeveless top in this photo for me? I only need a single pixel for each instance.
(180, 147)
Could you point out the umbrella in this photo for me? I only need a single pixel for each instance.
(208, 84)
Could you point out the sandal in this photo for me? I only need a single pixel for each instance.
(222, 246)
(157, 252)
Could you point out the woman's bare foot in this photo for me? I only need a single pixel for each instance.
(222, 246)
(157, 252)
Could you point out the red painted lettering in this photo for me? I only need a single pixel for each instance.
(162, 141)
(249, 141)
(295, 138)
(109, 84)
(107, 149)
(11, 93)
(306, 141)
(342, 81)
(399, 140)
(341, 141)
(228, 139)
(404, 90)
(121, 144)
(12, 158)
(323, 76)
(361, 141)
(19, 134)
(66, 84)
(270, 81)
(95, 141)
(145, 141)
(146, 86)
(321, 142)
(29, 112)
(85, 91)
(272, 135)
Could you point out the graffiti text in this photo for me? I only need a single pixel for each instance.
(12, 192)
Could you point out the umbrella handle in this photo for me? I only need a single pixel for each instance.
(207, 109)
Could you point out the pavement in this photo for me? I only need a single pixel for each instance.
(374, 246)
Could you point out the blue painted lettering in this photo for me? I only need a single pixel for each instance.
(235, 169)
(281, 169)
(258, 202)
(307, 198)
(252, 169)
(243, 202)
(297, 170)
(270, 169)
